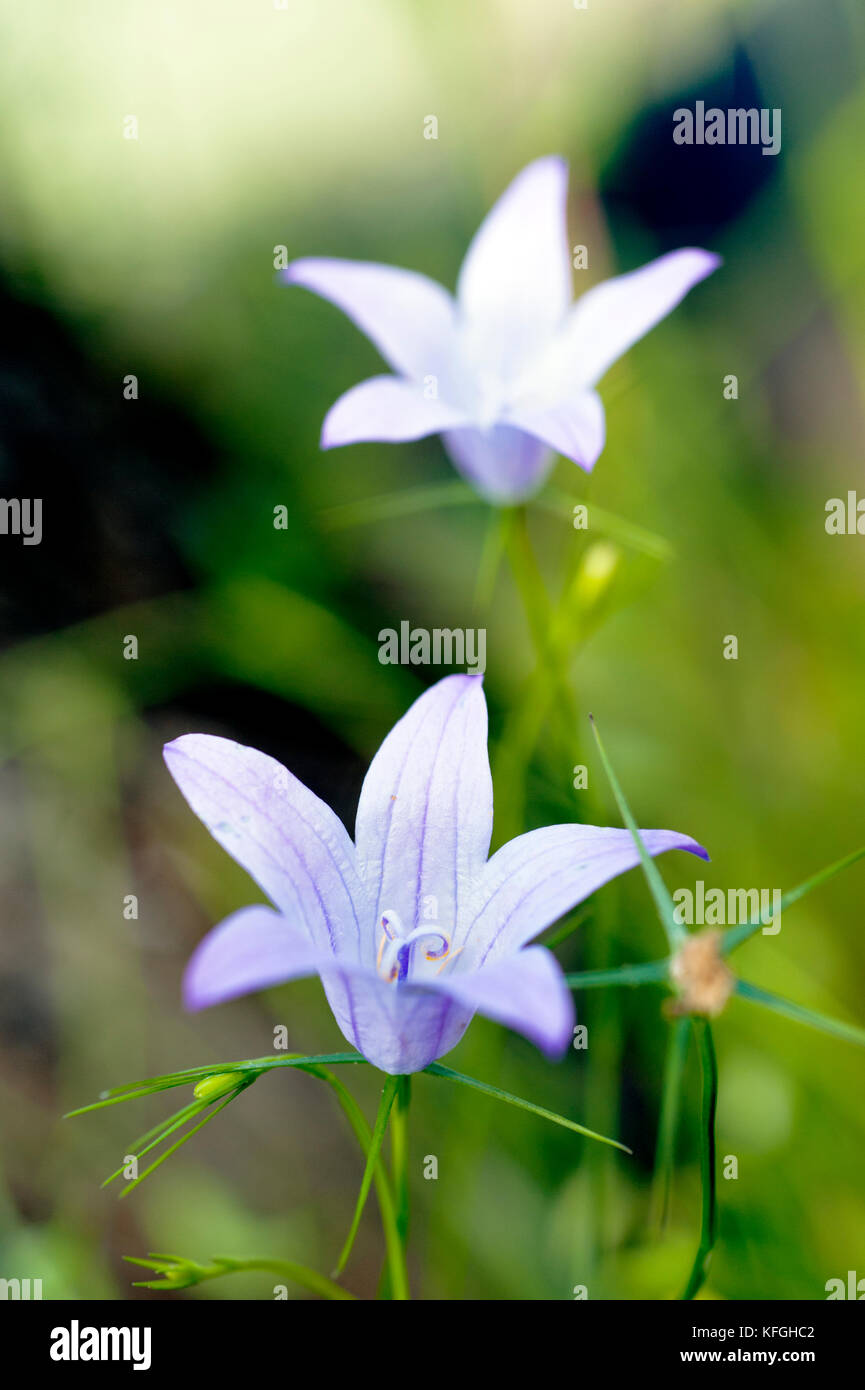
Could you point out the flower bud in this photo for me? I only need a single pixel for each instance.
(212, 1087)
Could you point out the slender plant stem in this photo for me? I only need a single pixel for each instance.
(646, 973)
(399, 1156)
(398, 1276)
(735, 936)
(709, 1219)
(676, 933)
(548, 688)
(299, 1274)
(394, 1245)
(850, 1032)
(539, 613)
(491, 558)
(307, 1278)
(665, 1152)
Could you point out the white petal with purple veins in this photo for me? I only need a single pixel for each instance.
(533, 880)
(410, 318)
(387, 409)
(285, 837)
(526, 992)
(575, 428)
(416, 930)
(610, 318)
(515, 283)
(425, 815)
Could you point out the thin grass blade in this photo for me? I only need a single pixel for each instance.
(663, 902)
(436, 1069)
(849, 1032)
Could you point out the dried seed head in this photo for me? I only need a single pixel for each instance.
(704, 981)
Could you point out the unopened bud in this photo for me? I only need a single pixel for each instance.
(212, 1087)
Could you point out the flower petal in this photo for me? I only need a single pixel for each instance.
(610, 318)
(574, 428)
(515, 284)
(533, 880)
(287, 839)
(252, 949)
(526, 992)
(398, 1028)
(503, 463)
(426, 807)
(385, 408)
(409, 317)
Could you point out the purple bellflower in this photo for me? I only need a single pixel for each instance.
(411, 928)
(506, 371)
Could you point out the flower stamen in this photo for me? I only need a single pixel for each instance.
(395, 947)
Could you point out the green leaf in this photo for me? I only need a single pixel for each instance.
(132, 1090)
(663, 902)
(436, 1069)
(396, 504)
(604, 523)
(154, 1137)
(179, 1143)
(180, 1273)
(388, 1095)
(735, 936)
(652, 972)
(849, 1032)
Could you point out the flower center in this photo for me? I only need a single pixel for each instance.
(395, 948)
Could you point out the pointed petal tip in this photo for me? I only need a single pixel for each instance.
(706, 261)
(294, 272)
(174, 747)
(326, 441)
(558, 1039)
(185, 745)
(692, 846)
(554, 162)
(471, 680)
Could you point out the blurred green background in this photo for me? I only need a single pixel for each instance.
(303, 127)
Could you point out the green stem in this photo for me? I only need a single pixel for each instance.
(648, 972)
(176, 1273)
(436, 1069)
(709, 1218)
(369, 510)
(735, 936)
(491, 558)
(548, 688)
(393, 1241)
(399, 1155)
(539, 612)
(307, 1278)
(399, 1279)
(849, 1032)
(674, 1067)
(676, 933)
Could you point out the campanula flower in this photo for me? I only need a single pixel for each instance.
(412, 928)
(506, 371)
